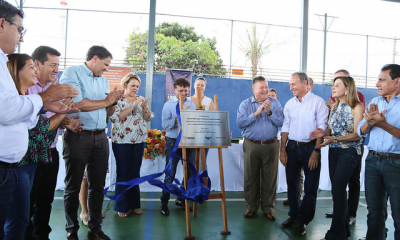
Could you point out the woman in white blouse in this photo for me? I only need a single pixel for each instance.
(128, 136)
(206, 101)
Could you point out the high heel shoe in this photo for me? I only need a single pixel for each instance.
(84, 218)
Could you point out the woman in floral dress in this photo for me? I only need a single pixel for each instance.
(41, 136)
(128, 135)
(344, 150)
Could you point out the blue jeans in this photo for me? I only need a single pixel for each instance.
(129, 160)
(8, 184)
(18, 214)
(342, 164)
(382, 177)
(190, 157)
(299, 156)
(42, 196)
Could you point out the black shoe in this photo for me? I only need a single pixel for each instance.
(97, 236)
(289, 222)
(72, 236)
(181, 203)
(164, 210)
(301, 230)
(352, 221)
(286, 202)
(329, 214)
(387, 230)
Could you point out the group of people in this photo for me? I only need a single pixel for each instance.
(31, 96)
(306, 124)
(35, 106)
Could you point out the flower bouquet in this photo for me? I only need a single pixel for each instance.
(155, 143)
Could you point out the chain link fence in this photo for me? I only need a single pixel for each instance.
(214, 47)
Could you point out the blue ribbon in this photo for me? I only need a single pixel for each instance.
(196, 190)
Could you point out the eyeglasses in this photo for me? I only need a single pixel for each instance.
(21, 29)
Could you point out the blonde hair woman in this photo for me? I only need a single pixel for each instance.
(128, 136)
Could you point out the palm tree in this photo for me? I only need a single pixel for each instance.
(255, 47)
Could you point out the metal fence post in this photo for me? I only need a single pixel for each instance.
(366, 65)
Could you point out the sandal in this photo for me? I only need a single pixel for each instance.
(138, 211)
(123, 215)
(84, 218)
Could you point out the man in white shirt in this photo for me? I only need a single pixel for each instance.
(304, 113)
(18, 112)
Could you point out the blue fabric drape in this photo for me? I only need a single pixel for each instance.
(196, 191)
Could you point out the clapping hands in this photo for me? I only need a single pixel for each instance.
(114, 96)
(266, 106)
(72, 124)
(373, 116)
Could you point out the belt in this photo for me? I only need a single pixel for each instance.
(304, 143)
(385, 155)
(90, 132)
(263, 142)
(8, 165)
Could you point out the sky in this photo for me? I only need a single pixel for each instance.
(363, 17)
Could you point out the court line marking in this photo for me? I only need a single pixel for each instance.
(218, 200)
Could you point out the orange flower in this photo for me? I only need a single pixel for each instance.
(155, 144)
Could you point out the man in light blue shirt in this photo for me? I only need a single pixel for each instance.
(260, 117)
(88, 148)
(382, 166)
(170, 123)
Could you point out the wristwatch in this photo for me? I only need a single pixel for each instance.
(317, 150)
(270, 113)
(334, 140)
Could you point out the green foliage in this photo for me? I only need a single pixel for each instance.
(178, 47)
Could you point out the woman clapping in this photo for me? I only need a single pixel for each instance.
(128, 135)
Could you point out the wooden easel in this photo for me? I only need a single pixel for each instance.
(203, 164)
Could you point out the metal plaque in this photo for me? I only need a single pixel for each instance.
(205, 128)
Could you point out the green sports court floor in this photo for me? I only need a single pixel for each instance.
(208, 223)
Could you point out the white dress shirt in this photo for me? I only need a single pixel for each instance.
(18, 113)
(301, 118)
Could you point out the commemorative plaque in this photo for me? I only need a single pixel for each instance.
(205, 128)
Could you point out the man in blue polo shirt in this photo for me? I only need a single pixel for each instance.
(88, 148)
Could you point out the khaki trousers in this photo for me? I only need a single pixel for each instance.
(260, 167)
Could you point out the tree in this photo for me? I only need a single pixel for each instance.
(255, 47)
(176, 46)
